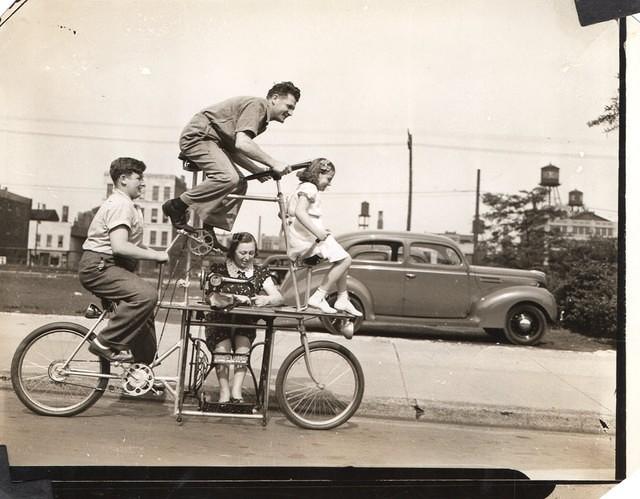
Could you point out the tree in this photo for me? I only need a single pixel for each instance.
(610, 119)
(519, 232)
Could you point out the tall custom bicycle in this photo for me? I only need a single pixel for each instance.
(319, 385)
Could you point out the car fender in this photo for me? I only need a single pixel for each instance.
(364, 295)
(491, 309)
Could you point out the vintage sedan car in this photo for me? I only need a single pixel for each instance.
(424, 279)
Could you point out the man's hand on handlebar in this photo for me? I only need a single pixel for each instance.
(281, 168)
(277, 172)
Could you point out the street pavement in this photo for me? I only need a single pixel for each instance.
(437, 381)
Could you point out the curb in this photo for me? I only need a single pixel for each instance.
(453, 413)
(475, 415)
(489, 415)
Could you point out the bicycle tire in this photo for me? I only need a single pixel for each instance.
(314, 407)
(34, 382)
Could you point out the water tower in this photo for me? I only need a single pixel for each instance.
(363, 218)
(576, 203)
(550, 181)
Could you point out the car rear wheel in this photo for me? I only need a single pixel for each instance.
(525, 325)
(333, 326)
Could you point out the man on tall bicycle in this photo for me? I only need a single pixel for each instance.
(111, 253)
(216, 140)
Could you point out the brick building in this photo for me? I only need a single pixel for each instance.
(15, 212)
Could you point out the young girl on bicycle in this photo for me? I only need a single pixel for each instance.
(308, 236)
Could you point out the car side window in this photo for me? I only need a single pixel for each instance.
(433, 254)
(376, 251)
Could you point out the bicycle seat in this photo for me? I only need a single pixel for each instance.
(187, 164)
(311, 261)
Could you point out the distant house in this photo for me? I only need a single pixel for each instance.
(584, 225)
(271, 243)
(464, 241)
(50, 238)
(15, 212)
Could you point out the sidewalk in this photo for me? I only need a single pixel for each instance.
(464, 383)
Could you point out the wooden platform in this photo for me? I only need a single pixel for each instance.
(274, 312)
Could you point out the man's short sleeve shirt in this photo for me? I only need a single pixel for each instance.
(118, 209)
(238, 114)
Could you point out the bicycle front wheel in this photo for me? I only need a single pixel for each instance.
(332, 398)
(50, 379)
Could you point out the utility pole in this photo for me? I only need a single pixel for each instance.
(259, 241)
(410, 146)
(476, 221)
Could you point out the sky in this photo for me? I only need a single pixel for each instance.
(494, 85)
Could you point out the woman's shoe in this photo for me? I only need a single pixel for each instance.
(237, 401)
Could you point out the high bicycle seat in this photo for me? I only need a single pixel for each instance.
(93, 311)
(187, 164)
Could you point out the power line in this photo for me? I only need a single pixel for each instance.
(89, 137)
(97, 123)
(342, 131)
(328, 144)
(515, 151)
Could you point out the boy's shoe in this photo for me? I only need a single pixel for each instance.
(347, 306)
(321, 304)
(177, 216)
(109, 354)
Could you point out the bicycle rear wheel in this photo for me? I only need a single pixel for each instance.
(333, 399)
(42, 382)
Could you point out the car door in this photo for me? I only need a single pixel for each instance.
(436, 281)
(378, 265)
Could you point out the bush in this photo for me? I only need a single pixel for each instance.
(584, 277)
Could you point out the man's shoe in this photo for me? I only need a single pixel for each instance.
(177, 216)
(158, 386)
(109, 354)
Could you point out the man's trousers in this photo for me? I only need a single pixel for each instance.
(132, 326)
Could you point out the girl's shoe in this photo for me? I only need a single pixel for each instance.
(322, 305)
(347, 306)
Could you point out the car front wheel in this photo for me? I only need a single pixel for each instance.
(526, 325)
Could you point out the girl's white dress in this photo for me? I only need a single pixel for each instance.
(302, 243)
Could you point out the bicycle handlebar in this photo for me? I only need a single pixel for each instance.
(276, 175)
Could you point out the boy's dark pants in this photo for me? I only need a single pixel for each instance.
(132, 325)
